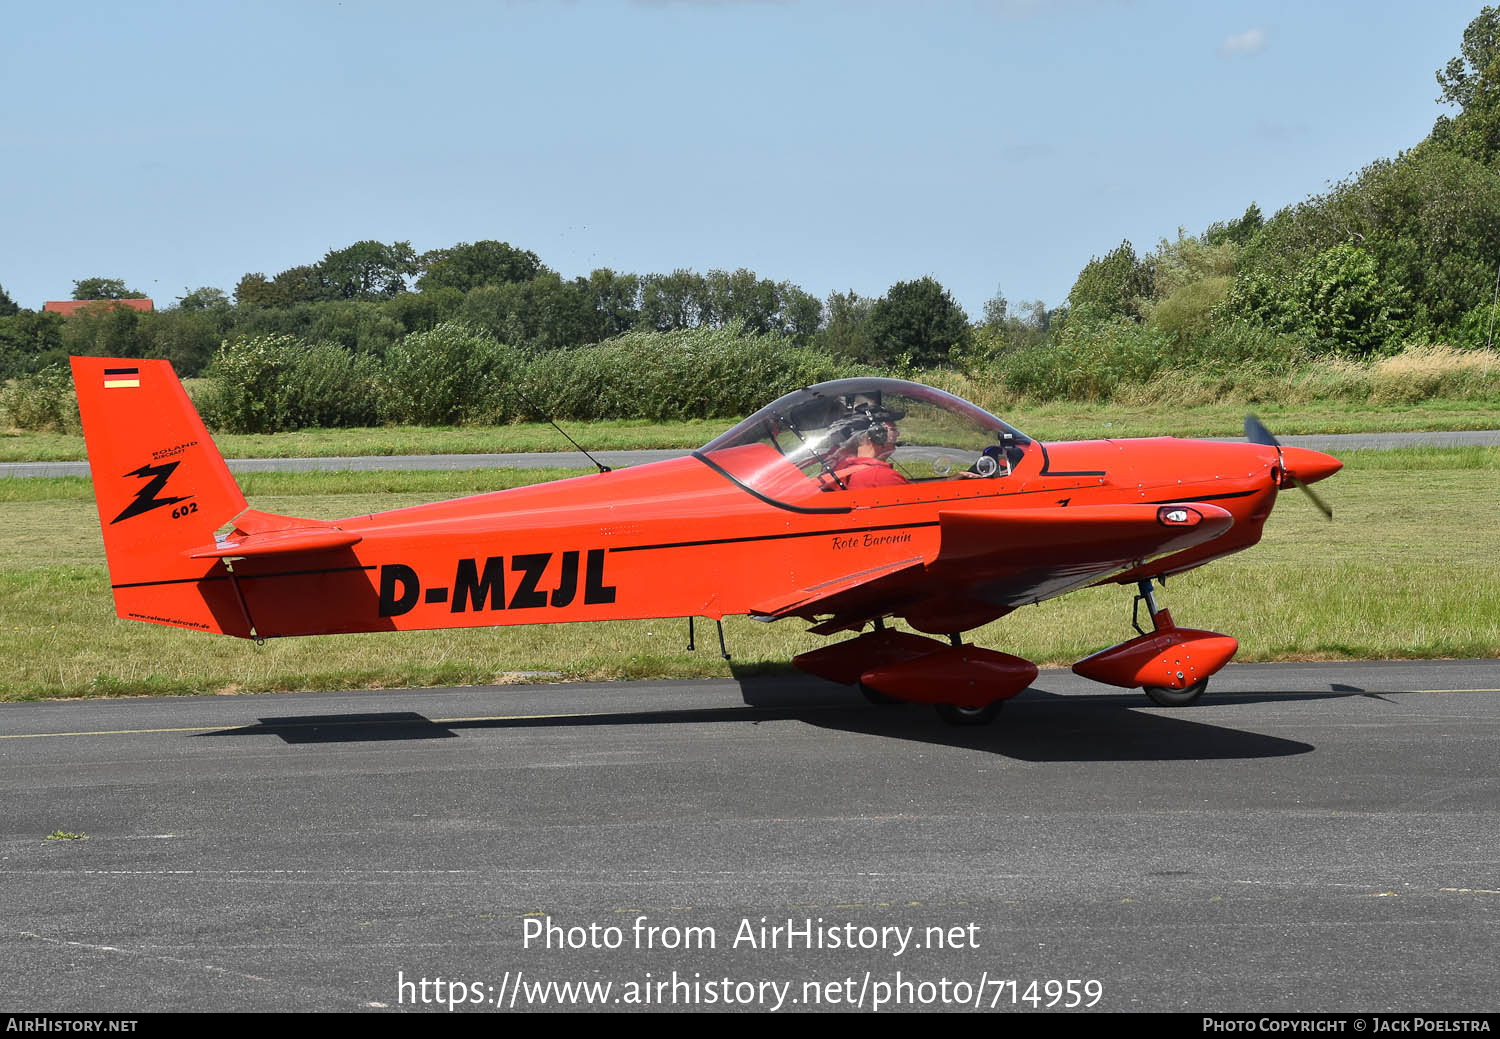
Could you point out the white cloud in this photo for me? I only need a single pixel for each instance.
(1248, 42)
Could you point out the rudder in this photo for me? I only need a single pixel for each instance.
(161, 488)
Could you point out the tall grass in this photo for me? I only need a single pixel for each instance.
(1089, 372)
(44, 401)
(665, 376)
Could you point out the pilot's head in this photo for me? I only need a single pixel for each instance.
(869, 432)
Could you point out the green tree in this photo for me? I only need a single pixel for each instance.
(917, 323)
(256, 290)
(104, 331)
(367, 270)
(423, 311)
(996, 310)
(364, 328)
(1187, 311)
(30, 340)
(1004, 330)
(1463, 79)
(1430, 219)
(1188, 259)
(544, 313)
(1344, 300)
(186, 336)
(1235, 232)
(1337, 297)
(1472, 81)
(206, 298)
(465, 266)
(104, 288)
(1113, 285)
(671, 302)
(8, 306)
(846, 333)
(801, 312)
(616, 301)
(301, 284)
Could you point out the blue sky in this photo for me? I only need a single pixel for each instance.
(836, 145)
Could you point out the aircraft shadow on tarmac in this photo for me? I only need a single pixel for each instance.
(1039, 726)
(345, 728)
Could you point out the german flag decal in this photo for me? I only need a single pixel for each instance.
(121, 378)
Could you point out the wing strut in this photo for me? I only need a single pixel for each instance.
(239, 597)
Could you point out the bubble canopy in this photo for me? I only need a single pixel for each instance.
(855, 434)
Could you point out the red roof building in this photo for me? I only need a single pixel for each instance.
(73, 306)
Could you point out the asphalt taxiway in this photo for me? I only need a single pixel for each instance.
(619, 459)
(1308, 837)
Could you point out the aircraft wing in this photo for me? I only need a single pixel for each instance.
(987, 563)
(810, 598)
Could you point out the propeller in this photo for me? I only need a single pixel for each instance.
(1257, 433)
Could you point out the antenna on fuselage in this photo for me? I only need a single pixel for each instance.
(602, 467)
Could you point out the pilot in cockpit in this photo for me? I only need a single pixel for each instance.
(867, 438)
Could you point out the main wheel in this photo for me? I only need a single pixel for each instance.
(1163, 696)
(956, 714)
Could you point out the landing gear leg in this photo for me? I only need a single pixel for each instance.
(1148, 597)
(1161, 695)
(872, 695)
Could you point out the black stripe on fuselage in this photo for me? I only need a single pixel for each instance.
(247, 577)
(1188, 499)
(1047, 466)
(774, 537)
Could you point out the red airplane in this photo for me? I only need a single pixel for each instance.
(846, 504)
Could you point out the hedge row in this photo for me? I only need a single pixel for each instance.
(455, 375)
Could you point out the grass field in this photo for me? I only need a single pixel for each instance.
(1054, 421)
(1408, 569)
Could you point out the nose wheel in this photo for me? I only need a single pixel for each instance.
(1164, 696)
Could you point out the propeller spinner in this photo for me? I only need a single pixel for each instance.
(1299, 465)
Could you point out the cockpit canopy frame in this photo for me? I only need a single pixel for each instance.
(837, 436)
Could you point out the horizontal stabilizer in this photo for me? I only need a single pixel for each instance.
(277, 543)
(259, 533)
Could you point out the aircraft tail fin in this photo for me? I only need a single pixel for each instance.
(162, 489)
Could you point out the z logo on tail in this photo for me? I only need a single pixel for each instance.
(145, 498)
